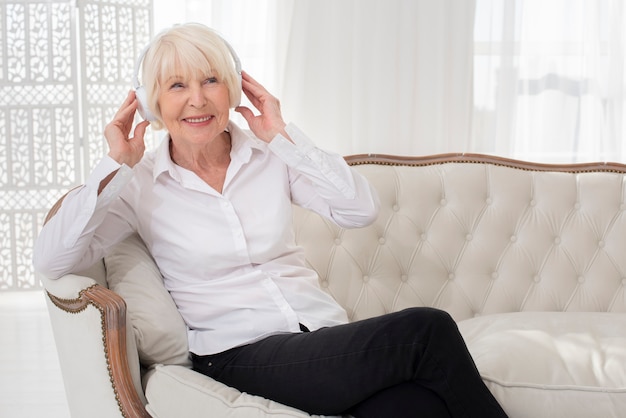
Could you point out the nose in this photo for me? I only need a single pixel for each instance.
(196, 97)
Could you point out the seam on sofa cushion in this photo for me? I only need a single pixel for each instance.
(553, 387)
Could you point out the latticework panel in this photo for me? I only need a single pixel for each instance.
(114, 32)
(48, 69)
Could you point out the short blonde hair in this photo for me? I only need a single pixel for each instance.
(188, 48)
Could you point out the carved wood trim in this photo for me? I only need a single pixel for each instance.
(112, 309)
(383, 159)
(57, 205)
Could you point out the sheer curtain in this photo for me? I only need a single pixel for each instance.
(530, 79)
(549, 79)
(371, 76)
(359, 76)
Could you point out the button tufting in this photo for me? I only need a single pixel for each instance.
(404, 278)
(324, 283)
(488, 201)
(622, 206)
(337, 241)
(423, 237)
(513, 238)
(557, 240)
(381, 240)
(537, 279)
(396, 208)
(601, 244)
(468, 237)
(366, 279)
(581, 279)
(533, 203)
(443, 202)
(450, 276)
(494, 275)
(623, 282)
(577, 206)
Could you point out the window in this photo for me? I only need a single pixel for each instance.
(549, 79)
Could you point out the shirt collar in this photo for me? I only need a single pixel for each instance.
(243, 144)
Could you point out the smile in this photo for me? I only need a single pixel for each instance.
(198, 120)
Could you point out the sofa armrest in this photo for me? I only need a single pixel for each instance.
(89, 325)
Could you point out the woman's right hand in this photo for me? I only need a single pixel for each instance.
(122, 147)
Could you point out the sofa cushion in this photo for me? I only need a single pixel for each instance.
(552, 364)
(160, 331)
(196, 394)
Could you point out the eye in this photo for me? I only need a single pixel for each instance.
(176, 85)
(211, 80)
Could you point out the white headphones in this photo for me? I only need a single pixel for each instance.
(140, 91)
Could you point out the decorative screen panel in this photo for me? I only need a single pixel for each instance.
(114, 34)
(53, 108)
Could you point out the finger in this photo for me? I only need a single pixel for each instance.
(247, 77)
(254, 88)
(140, 130)
(127, 101)
(126, 114)
(252, 97)
(247, 114)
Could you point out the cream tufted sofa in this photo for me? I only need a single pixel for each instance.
(529, 259)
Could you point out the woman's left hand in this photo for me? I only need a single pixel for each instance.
(269, 122)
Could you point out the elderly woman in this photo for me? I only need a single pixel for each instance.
(213, 205)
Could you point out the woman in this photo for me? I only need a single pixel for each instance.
(213, 205)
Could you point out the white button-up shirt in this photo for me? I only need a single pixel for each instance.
(228, 259)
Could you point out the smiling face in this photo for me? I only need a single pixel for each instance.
(194, 107)
(192, 53)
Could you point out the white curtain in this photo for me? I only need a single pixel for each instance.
(371, 76)
(531, 79)
(549, 79)
(359, 76)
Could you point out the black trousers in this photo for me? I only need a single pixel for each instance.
(412, 363)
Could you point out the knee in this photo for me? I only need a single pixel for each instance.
(434, 315)
(437, 320)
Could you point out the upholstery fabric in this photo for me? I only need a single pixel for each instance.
(532, 361)
(160, 332)
(196, 394)
(476, 239)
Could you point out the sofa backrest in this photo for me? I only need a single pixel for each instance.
(476, 235)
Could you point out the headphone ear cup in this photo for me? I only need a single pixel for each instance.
(240, 87)
(142, 101)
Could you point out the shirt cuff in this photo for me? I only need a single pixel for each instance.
(290, 152)
(106, 166)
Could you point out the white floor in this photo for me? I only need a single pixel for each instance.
(30, 378)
